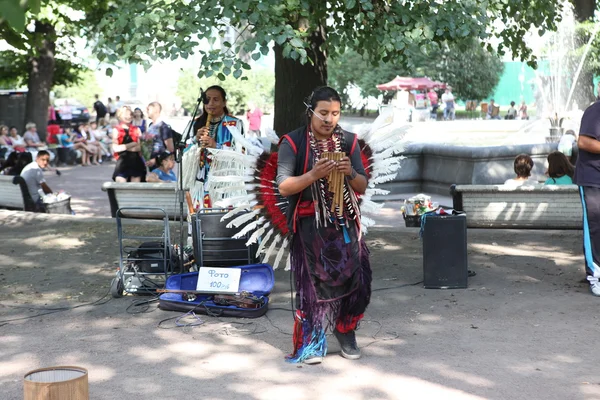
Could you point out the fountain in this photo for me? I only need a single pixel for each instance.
(558, 72)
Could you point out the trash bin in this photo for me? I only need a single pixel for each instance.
(56, 383)
(59, 207)
(444, 251)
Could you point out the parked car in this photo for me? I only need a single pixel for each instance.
(80, 113)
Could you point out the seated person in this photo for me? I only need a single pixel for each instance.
(522, 166)
(33, 175)
(102, 138)
(560, 171)
(164, 173)
(33, 143)
(512, 111)
(69, 139)
(23, 159)
(91, 142)
(523, 111)
(9, 165)
(493, 110)
(15, 140)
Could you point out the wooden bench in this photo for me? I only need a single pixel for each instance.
(539, 207)
(163, 195)
(14, 194)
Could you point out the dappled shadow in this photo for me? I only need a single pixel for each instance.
(516, 332)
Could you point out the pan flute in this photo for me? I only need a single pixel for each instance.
(336, 181)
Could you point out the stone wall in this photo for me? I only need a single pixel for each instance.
(432, 168)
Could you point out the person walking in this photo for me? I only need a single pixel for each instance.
(448, 100)
(111, 107)
(329, 257)
(434, 102)
(66, 114)
(100, 109)
(587, 177)
(254, 117)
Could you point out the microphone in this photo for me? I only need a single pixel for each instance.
(316, 115)
(203, 97)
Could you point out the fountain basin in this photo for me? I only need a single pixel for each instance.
(432, 168)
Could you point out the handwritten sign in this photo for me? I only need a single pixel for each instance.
(218, 280)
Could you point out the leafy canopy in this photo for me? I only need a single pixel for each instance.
(473, 75)
(382, 30)
(69, 20)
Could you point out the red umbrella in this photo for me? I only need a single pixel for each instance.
(408, 83)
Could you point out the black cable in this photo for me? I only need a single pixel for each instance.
(276, 327)
(397, 287)
(159, 325)
(138, 303)
(55, 310)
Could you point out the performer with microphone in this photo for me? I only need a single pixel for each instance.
(321, 173)
(213, 131)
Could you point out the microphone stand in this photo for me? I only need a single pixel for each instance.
(180, 191)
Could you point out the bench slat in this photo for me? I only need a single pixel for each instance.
(10, 194)
(551, 206)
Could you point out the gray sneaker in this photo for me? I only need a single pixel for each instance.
(595, 289)
(312, 360)
(348, 344)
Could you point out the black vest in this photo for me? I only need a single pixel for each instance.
(298, 139)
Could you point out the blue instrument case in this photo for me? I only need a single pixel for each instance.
(251, 301)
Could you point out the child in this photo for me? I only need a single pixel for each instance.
(560, 171)
(522, 166)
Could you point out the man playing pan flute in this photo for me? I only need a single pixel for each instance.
(329, 258)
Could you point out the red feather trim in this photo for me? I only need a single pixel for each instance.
(268, 193)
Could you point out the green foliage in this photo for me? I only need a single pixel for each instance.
(353, 70)
(85, 89)
(583, 33)
(473, 75)
(14, 70)
(257, 89)
(68, 18)
(13, 12)
(388, 31)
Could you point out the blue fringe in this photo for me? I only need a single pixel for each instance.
(346, 236)
(313, 345)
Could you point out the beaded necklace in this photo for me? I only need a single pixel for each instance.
(322, 197)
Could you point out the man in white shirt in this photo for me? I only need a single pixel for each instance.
(33, 175)
(448, 100)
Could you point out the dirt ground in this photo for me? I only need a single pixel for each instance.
(520, 331)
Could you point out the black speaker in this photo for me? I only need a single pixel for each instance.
(445, 252)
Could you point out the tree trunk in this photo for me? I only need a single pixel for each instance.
(584, 9)
(294, 82)
(41, 74)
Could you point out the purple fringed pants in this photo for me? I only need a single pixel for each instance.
(333, 283)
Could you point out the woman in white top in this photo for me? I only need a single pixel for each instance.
(522, 166)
